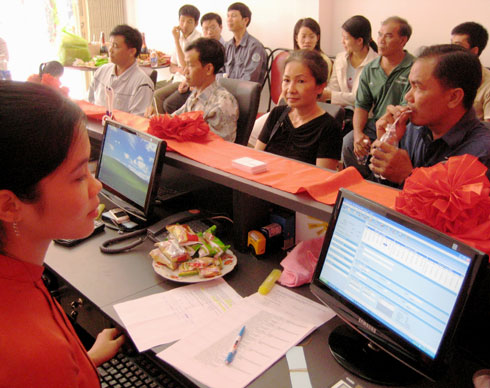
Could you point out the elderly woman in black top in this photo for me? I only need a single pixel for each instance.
(302, 130)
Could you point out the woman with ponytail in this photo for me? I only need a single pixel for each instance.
(360, 49)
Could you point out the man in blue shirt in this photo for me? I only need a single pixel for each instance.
(245, 55)
(444, 80)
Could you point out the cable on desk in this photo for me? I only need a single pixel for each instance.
(105, 246)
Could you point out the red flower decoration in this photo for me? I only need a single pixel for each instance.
(183, 127)
(452, 197)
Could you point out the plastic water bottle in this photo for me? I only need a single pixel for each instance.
(389, 137)
(153, 58)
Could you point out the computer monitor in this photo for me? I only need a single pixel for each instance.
(129, 168)
(400, 286)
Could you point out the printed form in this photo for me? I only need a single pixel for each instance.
(271, 330)
(166, 317)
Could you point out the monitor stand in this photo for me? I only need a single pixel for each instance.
(359, 356)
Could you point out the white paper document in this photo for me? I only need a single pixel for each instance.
(166, 317)
(282, 299)
(269, 332)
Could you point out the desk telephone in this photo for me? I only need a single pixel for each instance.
(152, 232)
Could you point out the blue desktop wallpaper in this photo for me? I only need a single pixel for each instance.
(127, 163)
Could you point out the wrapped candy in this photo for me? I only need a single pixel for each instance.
(157, 255)
(211, 245)
(172, 250)
(183, 234)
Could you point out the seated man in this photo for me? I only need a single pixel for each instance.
(444, 80)
(212, 26)
(168, 98)
(245, 55)
(203, 58)
(383, 81)
(132, 88)
(474, 37)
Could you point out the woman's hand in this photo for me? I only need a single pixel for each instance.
(106, 346)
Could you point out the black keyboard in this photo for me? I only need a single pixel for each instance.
(140, 371)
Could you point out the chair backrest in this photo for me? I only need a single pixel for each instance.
(152, 73)
(276, 73)
(247, 94)
(267, 79)
(334, 110)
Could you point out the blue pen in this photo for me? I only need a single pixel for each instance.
(231, 354)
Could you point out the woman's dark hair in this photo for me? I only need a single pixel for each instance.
(456, 68)
(359, 27)
(37, 128)
(312, 25)
(314, 61)
(210, 51)
(54, 68)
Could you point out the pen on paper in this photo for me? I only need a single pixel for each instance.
(231, 355)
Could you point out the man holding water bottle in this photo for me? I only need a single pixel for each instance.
(439, 120)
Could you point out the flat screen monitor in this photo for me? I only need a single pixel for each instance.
(129, 168)
(399, 285)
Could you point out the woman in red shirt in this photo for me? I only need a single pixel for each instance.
(46, 192)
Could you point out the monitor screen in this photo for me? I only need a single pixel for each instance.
(398, 282)
(129, 167)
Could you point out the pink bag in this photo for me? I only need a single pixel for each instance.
(300, 263)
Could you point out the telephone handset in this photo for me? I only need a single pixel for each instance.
(159, 227)
(151, 232)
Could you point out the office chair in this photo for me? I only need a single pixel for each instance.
(267, 80)
(275, 76)
(334, 110)
(152, 73)
(247, 94)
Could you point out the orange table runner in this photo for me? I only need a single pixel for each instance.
(283, 174)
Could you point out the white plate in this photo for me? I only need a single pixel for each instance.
(169, 274)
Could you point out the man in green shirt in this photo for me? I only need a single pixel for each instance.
(383, 82)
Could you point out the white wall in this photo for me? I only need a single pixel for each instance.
(431, 20)
(272, 20)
